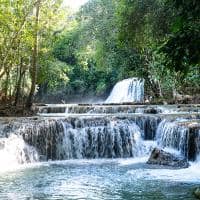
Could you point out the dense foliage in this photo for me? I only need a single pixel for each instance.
(113, 40)
(87, 52)
(26, 41)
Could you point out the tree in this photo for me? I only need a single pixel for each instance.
(182, 46)
(34, 56)
(21, 58)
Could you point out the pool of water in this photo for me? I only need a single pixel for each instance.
(127, 179)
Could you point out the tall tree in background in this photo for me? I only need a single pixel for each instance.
(21, 61)
(34, 56)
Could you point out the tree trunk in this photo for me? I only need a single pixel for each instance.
(160, 89)
(6, 84)
(23, 88)
(2, 74)
(34, 58)
(19, 82)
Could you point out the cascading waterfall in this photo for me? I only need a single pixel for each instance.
(115, 109)
(100, 136)
(90, 137)
(74, 138)
(14, 151)
(128, 90)
(116, 139)
(94, 137)
(43, 135)
(172, 136)
(179, 136)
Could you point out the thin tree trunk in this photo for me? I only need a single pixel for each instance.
(34, 58)
(10, 92)
(19, 82)
(6, 85)
(2, 74)
(23, 86)
(160, 89)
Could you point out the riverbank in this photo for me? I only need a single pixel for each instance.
(7, 110)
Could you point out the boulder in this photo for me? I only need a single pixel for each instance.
(197, 193)
(160, 157)
(152, 110)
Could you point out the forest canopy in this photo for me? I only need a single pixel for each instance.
(48, 50)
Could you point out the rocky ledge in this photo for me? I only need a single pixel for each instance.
(160, 157)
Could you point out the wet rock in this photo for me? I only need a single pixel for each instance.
(197, 193)
(160, 157)
(152, 111)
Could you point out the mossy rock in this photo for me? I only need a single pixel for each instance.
(197, 193)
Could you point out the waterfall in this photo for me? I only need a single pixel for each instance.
(128, 90)
(74, 138)
(14, 151)
(97, 136)
(90, 138)
(116, 109)
(181, 136)
(115, 139)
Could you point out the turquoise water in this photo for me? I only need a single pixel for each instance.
(126, 179)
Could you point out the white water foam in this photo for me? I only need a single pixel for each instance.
(191, 174)
(14, 152)
(131, 161)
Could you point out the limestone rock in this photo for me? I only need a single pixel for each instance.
(152, 110)
(160, 157)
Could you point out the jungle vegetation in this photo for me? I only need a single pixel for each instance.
(47, 49)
